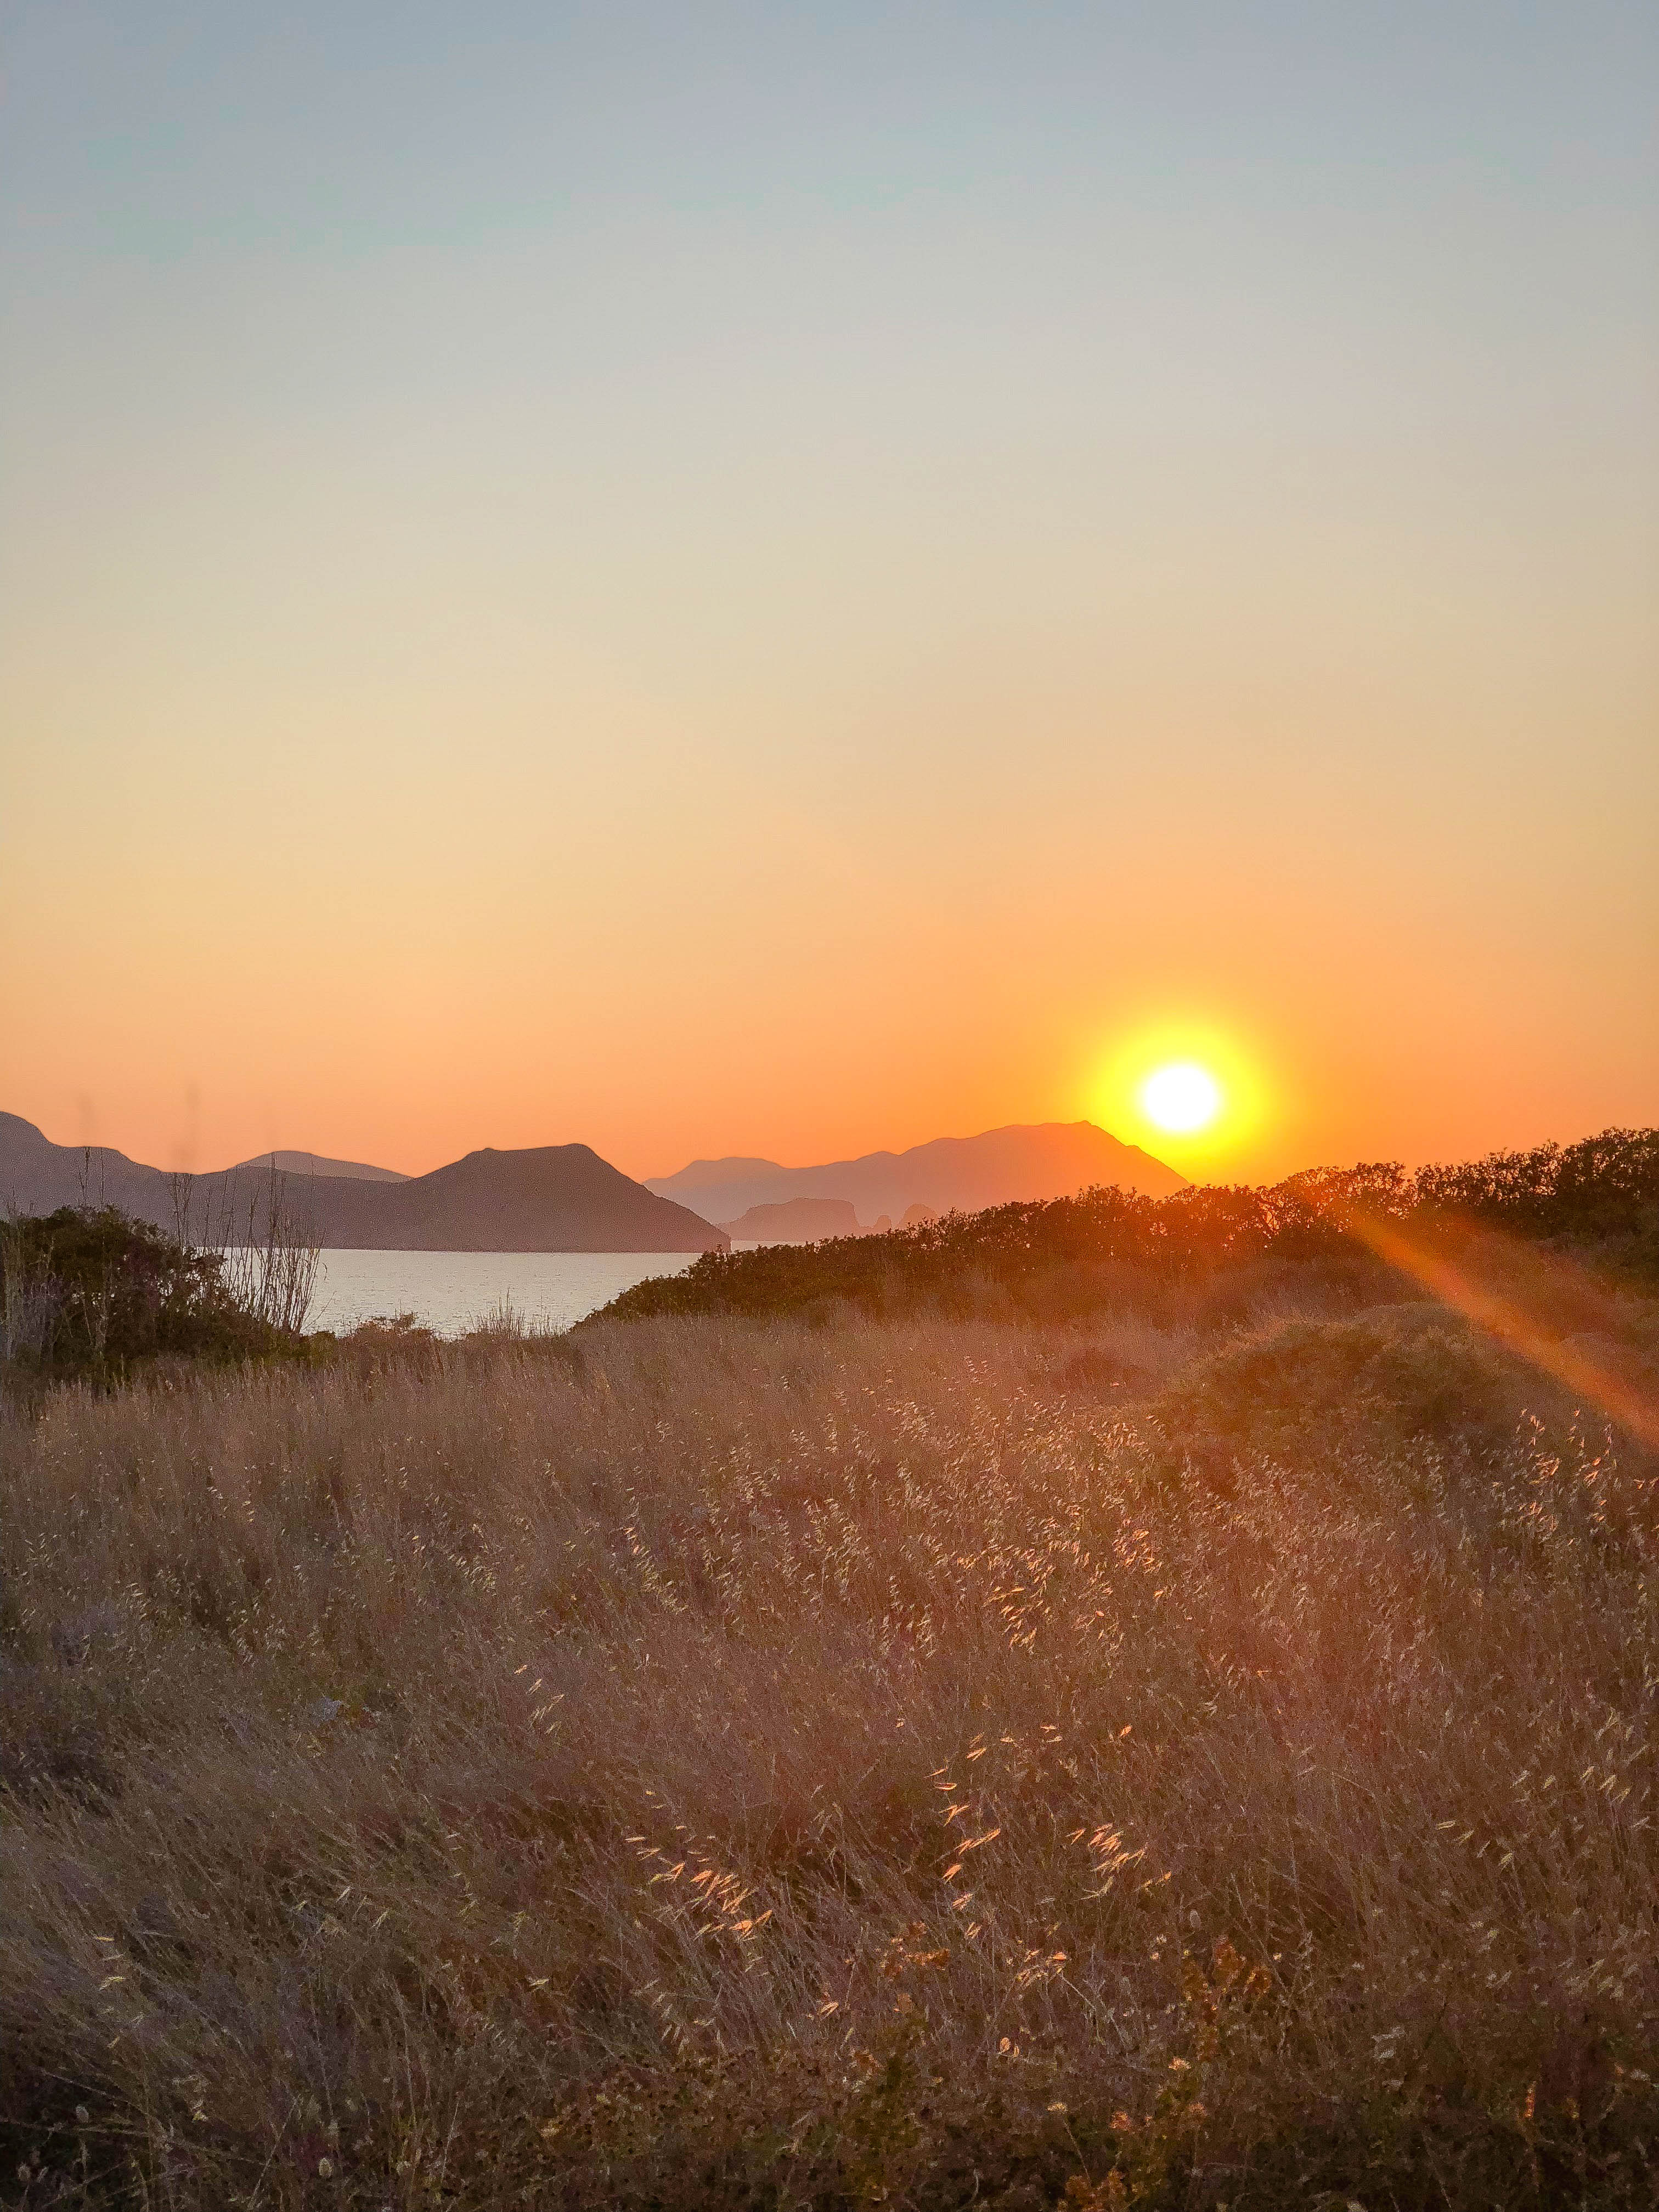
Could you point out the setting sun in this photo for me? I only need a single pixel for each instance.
(1186, 1088)
(1181, 1097)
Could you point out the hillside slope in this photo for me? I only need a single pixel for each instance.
(1048, 1159)
(1543, 1245)
(796, 1221)
(548, 1198)
(36, 1177)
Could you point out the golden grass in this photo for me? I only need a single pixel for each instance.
(724, 1766)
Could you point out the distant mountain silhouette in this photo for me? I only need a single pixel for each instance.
(551, 1198)
(796, 1221)
(315, 1163)
(1048, 1159)
(36, 1177)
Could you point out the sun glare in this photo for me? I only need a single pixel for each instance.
(1185, 1088)
(1181, 1097)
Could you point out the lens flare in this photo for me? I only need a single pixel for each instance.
(1181, 1097)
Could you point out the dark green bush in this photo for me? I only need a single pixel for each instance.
(86, 1293)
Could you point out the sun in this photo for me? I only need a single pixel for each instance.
(1186, 1088)
(1181, 1097)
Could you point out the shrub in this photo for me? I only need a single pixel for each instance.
(1412, 1373)
(86, 1293)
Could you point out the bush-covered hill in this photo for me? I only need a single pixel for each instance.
(1209, 1255)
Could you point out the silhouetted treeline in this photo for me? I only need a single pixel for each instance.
(1208, 1255)
(1602, 1190)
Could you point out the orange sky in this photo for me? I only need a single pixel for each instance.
(829, 589)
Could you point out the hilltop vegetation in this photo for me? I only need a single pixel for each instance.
(1208, 1254)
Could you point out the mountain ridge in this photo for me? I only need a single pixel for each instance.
(544, 1198)
(317, 1163)
(1020, 1161)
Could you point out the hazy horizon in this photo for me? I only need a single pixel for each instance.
(288, 1155)
(793, 584)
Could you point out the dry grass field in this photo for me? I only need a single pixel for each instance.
(705, 1763)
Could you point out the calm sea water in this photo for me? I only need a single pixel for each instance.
(451, 1292)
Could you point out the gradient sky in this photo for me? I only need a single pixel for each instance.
(793, 579)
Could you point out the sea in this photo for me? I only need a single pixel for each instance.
(451, 1292)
